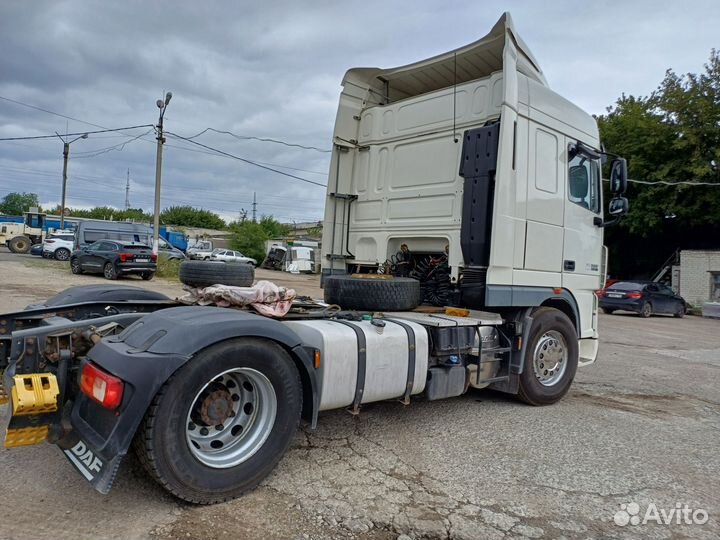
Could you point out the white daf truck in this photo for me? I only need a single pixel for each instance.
(461, 182)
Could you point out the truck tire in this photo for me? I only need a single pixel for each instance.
(208, 273)
(551, 358)
(372, 294)
(20, 244)
(222, 422)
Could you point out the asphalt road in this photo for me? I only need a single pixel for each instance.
(639, 426)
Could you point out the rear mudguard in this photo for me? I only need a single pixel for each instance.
(145, 355)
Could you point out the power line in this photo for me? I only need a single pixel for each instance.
(50, 112)
(244, 160)
(261, 139)
(119, 147)
(670, 183)
(80, 134)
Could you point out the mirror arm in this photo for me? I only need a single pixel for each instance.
(598, 222)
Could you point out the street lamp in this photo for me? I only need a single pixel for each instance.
(162, 105)
(66, 155)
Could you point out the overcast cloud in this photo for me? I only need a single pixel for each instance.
(273, 69)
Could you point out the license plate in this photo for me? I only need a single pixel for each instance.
(139, 259)
(615, 295)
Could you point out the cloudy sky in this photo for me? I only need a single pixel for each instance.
(272, 69)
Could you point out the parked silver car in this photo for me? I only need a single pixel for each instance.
(228, 255)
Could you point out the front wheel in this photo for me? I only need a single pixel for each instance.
(219, 426)
(680, 311)
(551, 358)
(109, 271)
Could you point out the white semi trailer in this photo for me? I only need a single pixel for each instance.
(461, 181)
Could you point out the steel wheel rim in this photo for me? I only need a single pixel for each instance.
(550, 358)
(244, 401)
(62, 255)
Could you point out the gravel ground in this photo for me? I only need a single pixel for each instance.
(640, 426)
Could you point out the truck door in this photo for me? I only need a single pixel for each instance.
(582, 246)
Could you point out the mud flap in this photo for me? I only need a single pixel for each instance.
(99, 472)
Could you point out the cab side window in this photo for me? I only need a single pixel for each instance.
(584, 182)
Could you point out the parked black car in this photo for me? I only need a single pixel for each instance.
(113, 259)
(642, 297)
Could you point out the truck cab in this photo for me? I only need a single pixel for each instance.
(469, 157)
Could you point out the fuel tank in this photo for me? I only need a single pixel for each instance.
(385, 347)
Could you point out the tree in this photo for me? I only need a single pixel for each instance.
(249, 238)
(273, 228)
(109, 213)
(15, 204)
(670, 136)
(191, 217)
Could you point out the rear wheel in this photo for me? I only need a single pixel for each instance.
(551, 358)
(109, 271)
(20, 244)
(646, 310)
(147, 276)
(62, 254)
(219, 426)
(75, 267)
(609, 311)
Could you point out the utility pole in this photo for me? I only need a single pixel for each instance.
(162, 105)
(127, 191)
(66, 156)
(254, 207)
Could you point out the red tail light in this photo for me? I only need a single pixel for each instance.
(101, 387)
(153, 257)
(634, 295)
(125, 257)
(49, 241)
(600, 293)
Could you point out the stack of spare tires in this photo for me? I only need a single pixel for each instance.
(371, 293)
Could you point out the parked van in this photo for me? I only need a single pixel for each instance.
(88, 232)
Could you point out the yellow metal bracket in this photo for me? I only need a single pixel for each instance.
(34, 393)
(25, 436)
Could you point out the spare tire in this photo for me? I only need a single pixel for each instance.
(208, 273)
(372, 294)
(20, 244)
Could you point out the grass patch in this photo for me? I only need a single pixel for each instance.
(168, 268)
(41, 262)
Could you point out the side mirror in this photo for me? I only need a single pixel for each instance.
(618, 176)
(618, 206)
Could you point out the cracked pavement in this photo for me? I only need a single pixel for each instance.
(641, 425)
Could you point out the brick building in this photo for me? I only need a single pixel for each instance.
(697, 277)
